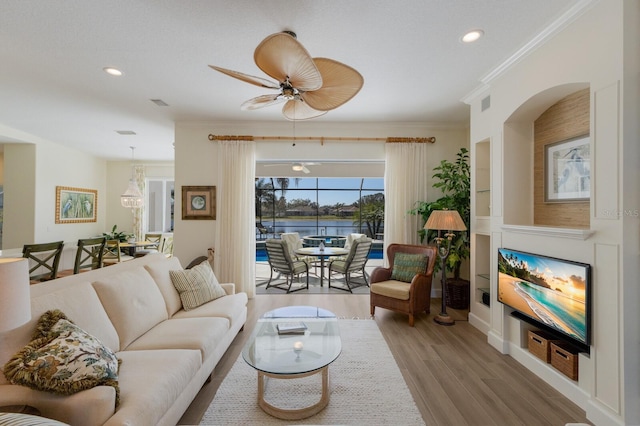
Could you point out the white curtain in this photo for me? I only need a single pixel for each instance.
(235, 246)
(405, 182)
(138, 214)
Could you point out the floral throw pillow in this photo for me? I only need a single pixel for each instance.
(63, 358)
(406, 266)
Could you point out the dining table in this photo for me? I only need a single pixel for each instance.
(322, 253)
(131, 247)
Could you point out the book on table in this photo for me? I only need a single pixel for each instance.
(292, 328)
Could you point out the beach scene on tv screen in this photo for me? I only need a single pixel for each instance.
(548, 290)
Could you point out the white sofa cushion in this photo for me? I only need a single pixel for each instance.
(225, 307)
(133, 302)
(150, 382)
(64, 408)
(160, 273)
(203, 334)
(81, 304)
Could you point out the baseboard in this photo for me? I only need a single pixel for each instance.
(479, 323)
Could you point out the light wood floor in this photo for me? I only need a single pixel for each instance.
(455, 377)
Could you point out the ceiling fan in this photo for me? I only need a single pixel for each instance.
(297, 166)
(309, 87)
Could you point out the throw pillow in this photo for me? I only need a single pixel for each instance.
(196, 286)
(406, 266)
(62, 358)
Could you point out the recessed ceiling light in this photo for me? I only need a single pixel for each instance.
(112, 71)
(472, 36)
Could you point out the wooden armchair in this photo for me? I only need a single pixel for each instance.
(390, 290)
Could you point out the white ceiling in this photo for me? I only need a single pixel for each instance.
(415, 68)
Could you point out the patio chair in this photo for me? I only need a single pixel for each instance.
(354, 263)
(280, 261)
(89, 254)
(43, 257)
(406, 286)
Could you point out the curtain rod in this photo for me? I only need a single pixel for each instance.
(430, 139)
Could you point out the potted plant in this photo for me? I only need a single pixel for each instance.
(123, 237)
(454, 180)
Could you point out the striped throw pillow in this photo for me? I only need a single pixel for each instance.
(196, 286)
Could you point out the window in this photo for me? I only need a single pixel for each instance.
(159, 210)
(320, 206)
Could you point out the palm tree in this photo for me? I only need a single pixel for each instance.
(264, 195)
(370, 214)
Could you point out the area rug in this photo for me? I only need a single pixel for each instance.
(367, 388)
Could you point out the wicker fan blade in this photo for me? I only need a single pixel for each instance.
(262, 101)
(282, 57)
(298, 110)
(340, 83)
(247, 78)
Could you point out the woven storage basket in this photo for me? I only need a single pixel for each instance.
(457, 294)
(539, 343)
(564, 357)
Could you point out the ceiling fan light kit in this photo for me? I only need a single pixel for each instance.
(296, 166)
(309, 87)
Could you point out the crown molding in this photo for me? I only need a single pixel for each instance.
(566, 19)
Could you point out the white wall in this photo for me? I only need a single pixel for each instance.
(196, 158)
(31, 174)
(589, 51)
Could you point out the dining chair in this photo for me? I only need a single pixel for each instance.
(281, 262)
(43, 257)
(152, 238)
(89, 254)
(355, 262)
(166, 245)
(112, 253)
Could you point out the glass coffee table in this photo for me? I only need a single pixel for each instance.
(306, 351)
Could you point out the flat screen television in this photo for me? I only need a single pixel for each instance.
(547, 291)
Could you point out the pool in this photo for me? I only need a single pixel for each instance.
(261, 252)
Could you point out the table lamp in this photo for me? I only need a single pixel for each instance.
(15, 297)
(447, 221)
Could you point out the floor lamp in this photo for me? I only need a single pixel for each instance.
(447, 221)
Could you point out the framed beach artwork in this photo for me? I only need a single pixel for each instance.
(568, 170)
(199, 202)
(76, 205)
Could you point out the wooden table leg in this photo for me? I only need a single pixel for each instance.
(294, 414)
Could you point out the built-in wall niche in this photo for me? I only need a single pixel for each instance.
(483, 269)
(555, 115)
(483, 178)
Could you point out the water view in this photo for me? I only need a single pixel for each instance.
(313, 227)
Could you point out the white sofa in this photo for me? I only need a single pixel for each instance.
(167, 353)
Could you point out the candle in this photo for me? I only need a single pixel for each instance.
(297, 346)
